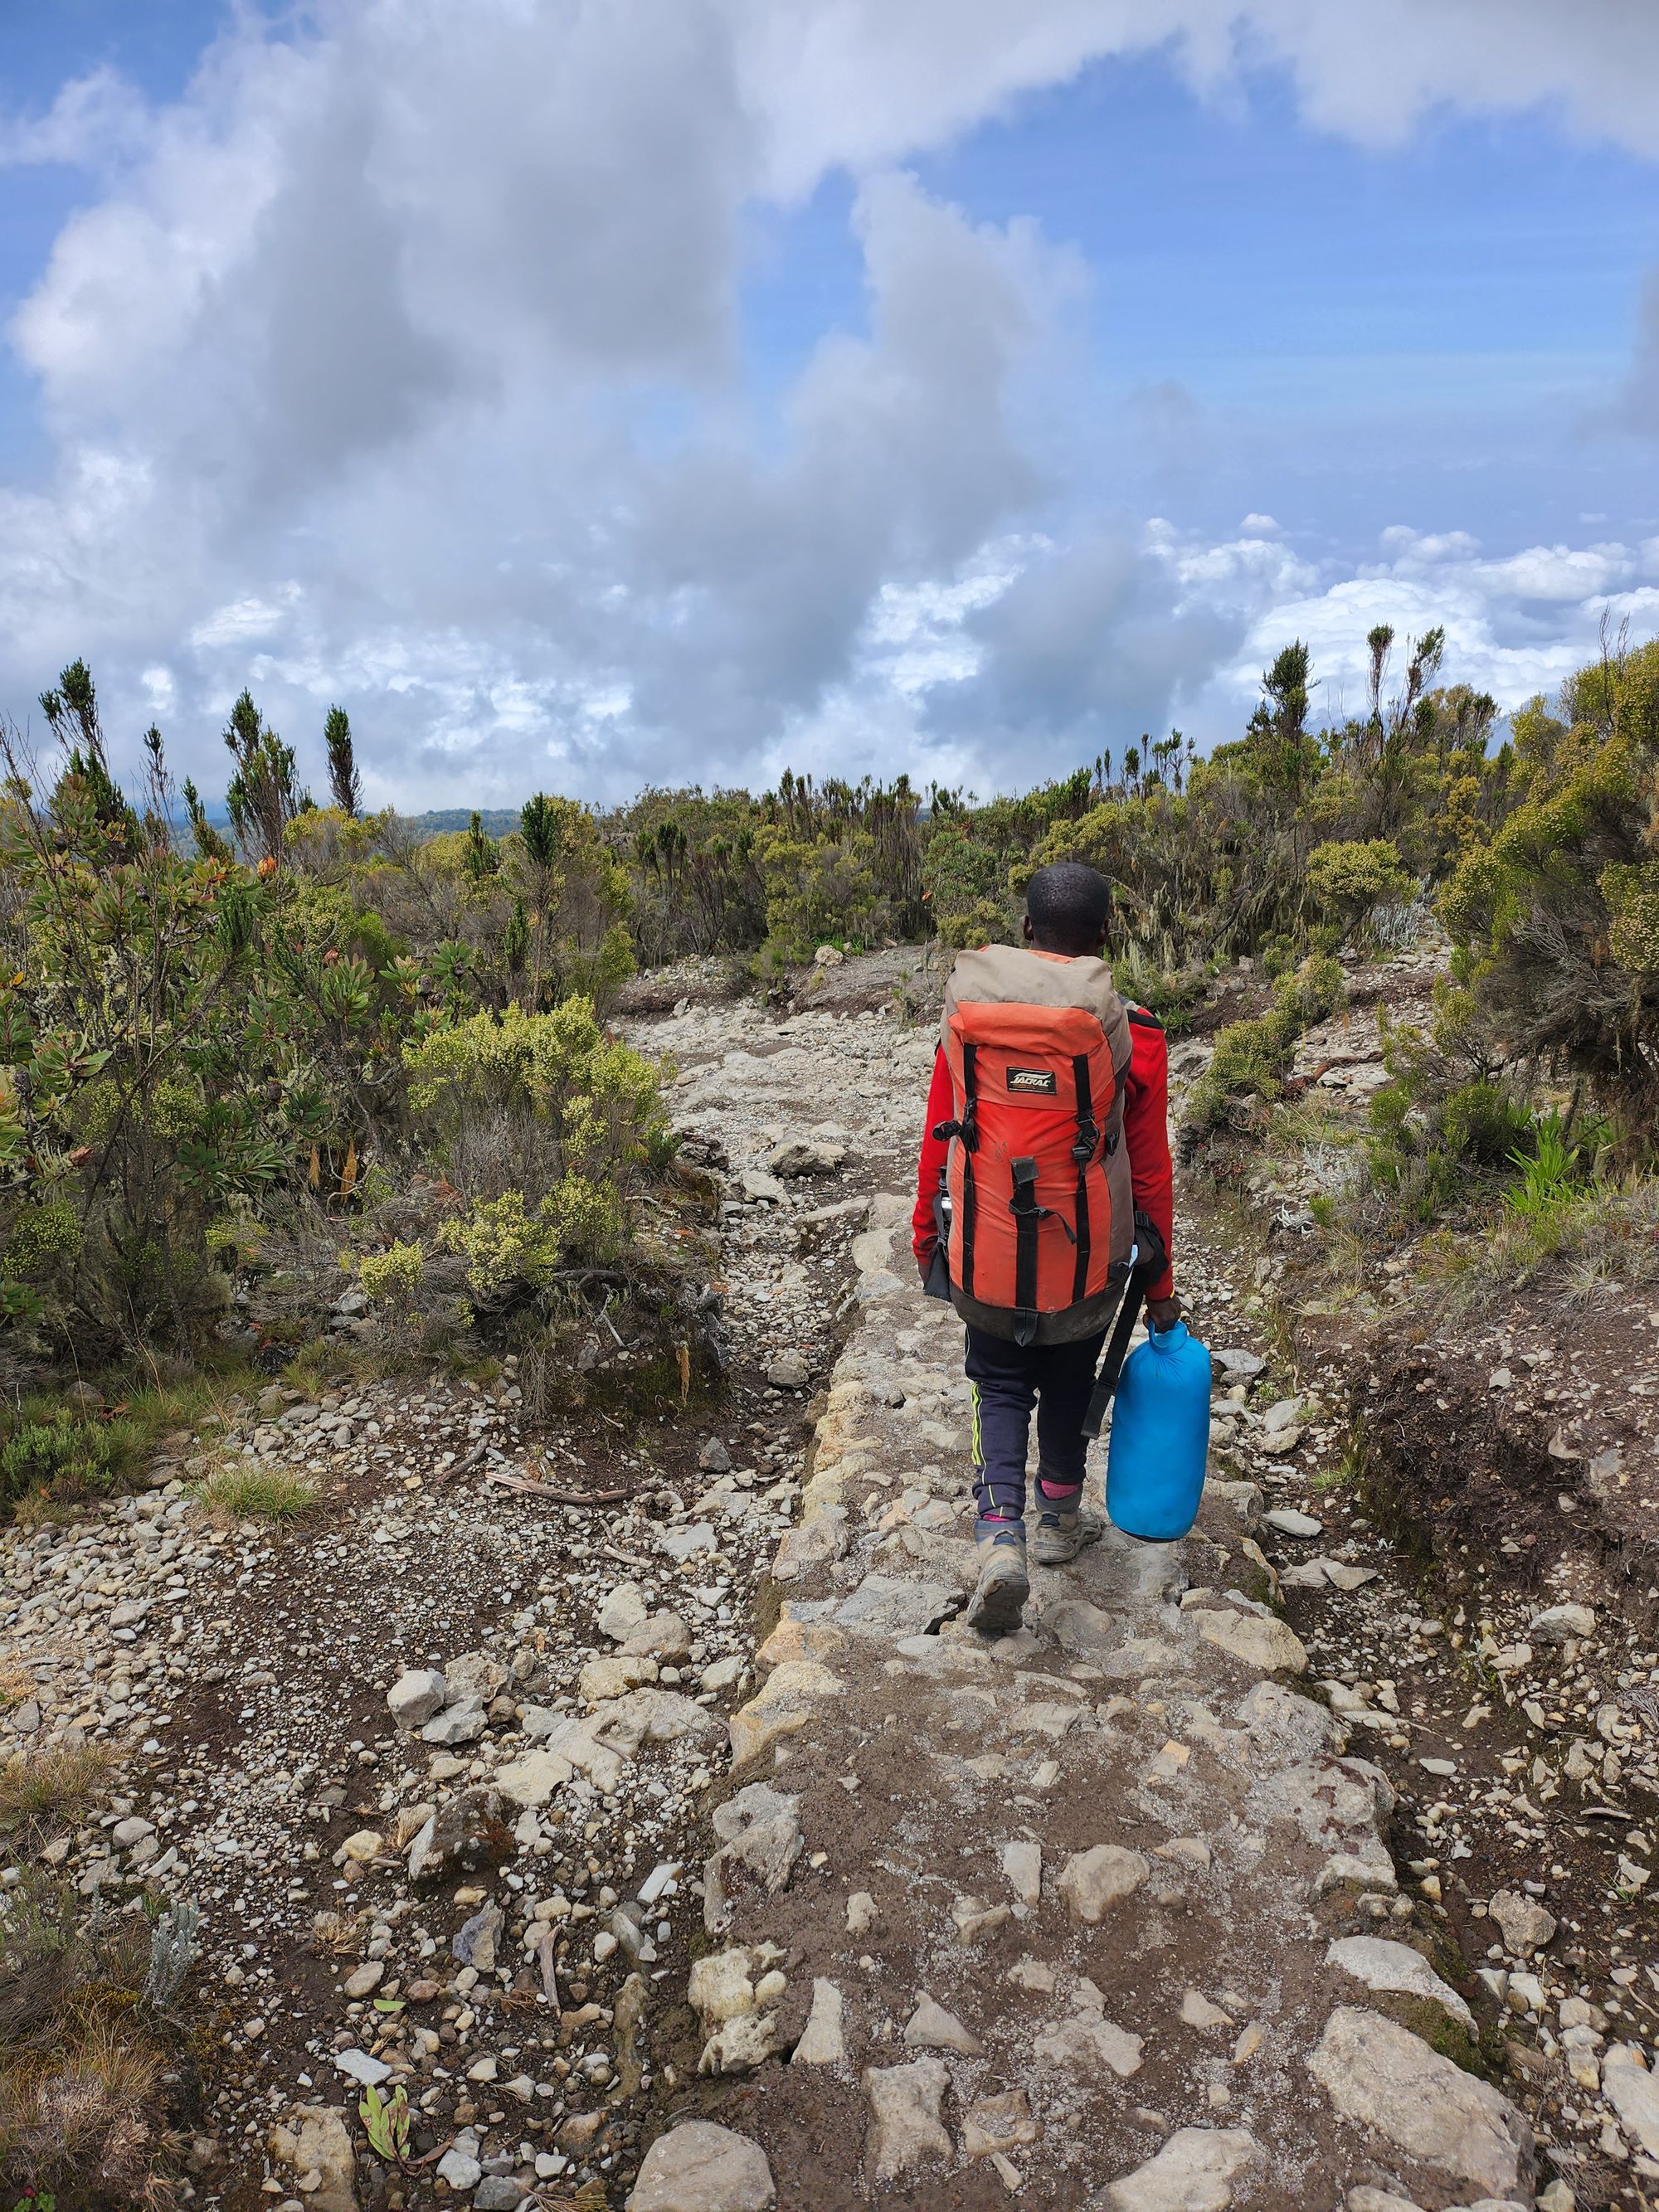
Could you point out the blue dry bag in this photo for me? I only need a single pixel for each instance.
(1160, 1437)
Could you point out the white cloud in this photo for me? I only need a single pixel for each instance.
(399, 361)
(1514, 625)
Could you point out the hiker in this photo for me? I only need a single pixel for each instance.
(1044, 1175)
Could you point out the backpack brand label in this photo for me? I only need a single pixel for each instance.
(1040, 1080)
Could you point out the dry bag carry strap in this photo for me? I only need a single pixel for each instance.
(936, 1283)
(1150, 1261)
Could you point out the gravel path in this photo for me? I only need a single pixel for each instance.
(1097, 1913)
(696, 1830)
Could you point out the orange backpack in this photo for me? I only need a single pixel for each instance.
(1041, 1235)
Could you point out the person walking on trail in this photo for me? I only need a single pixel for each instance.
(1044, 1186)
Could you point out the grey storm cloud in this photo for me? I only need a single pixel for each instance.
(399, 361)
(1091, 640)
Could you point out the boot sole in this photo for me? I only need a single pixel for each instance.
(998, 1604)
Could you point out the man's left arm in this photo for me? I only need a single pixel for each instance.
(924, 1229)
(1146, 1134)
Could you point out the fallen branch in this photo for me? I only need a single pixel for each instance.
(560, 1496)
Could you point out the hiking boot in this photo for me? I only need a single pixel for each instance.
(999, 1595)
(1062, 1531)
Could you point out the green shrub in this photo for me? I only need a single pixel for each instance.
(504, 1244)
(819, 893)
(392, 1277)
(1348, 876)
(42, 1235)
(1482, 1124)
(1557, 920)
(1252, 1059)
(67, 1454)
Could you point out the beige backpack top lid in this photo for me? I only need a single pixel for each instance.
(1014, 975)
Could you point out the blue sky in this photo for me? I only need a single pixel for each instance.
(961, 388)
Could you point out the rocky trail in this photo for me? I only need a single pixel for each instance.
(685, 1852)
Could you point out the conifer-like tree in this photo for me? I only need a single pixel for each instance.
(343, 782)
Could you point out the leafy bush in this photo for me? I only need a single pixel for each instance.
(504, 1244)
(546, 1127)
(392, 1277)
(1348, 876)
(1252, 1058)
(1557, 920)
(64, 1454)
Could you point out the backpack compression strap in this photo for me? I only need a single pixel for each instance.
(1088, 1136)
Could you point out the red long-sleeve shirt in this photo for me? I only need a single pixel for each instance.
(1145, 1131)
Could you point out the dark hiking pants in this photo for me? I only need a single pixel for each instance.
(1009, 1379)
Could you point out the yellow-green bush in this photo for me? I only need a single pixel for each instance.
(1557, 920)
(1347, 877)
(559, 1067)
(503, 1244)
(392, 1277)
(1251, 1059)
(41, 1234)
(818, 893)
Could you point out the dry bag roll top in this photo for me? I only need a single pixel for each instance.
(1041, 1212)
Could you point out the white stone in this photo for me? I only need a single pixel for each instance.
(699, 2167)
(614, 1676)
(905, 2127)
(1289, 1522)
(463, 1722)
(930, 2027)
(623, 1611)
(1195, 2172)
(1091, 1882)
(1384, 2077)
(415, 1696)
(1381, 1964)
(1239, 1366)
(1524, 1924)
(314, 2140)
(1634, 2095)
(1088, 2042)
(1270, 1645)
(720, 1987)
(1023, 1865)
(1562, 1624)
(823, 2039)
(531, 1780)
(361, 2068)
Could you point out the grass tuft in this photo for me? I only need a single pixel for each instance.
(1581, 1241)
(82, 2062)
(42, 1793)
(257, 1493)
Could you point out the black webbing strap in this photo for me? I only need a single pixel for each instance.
(969, 1137)
(1150, 1259)
(1083, 1152)
(1027, 1215)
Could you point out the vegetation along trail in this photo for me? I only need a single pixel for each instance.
(486, 1711)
